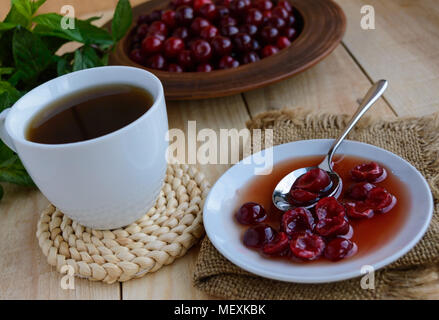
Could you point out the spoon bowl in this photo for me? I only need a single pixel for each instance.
(281, 195)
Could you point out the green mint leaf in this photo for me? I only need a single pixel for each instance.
(31, 55)
(122, 19)
(8, 95)
(16, 17)
(7, 26)
(50, 24)
(6, 58)
(86, 57)
(15, 173)
(92, 19)
(53, 43)
(64, 64)
(35, 5)
(24, 7)
(11, 168)
(6, 71)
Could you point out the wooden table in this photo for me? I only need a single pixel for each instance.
(404, 49)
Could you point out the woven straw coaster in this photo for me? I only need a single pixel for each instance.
(165, 233)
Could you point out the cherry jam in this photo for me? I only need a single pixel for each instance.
(358, 231)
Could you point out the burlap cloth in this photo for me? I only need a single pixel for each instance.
(414, 275)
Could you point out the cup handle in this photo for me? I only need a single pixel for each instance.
(3, 133)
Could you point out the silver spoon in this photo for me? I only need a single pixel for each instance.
(281, 192)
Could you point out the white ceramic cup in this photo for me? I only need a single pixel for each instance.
(102, 183)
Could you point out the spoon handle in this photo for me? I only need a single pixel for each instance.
(369, 99)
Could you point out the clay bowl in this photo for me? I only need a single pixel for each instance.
(323, 26)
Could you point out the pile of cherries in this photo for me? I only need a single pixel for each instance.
(325, 230)
(200, 35)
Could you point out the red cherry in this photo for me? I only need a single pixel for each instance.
(280, 12)
(240, 6)
(276, 22)
(257, 236)
(228, 21)
(209, 32)
(380, 200)
(359, 191)
(250, 29)
(221, 46)
(250, 57)
(307, 246)
(168, 17)
(254, 16)
(152, 44)
(290, 21)
(329, 208)
(269, 51)
(185, 59)
(282, 42)
(269, 34)
(229, 31)
(178, 3)
(371, 172)
(204, 67)
(181, 33)
(301, 196)
(223, 11)
(358, 210)
(227, 62)
(209, 11)
(142, 30)
(158, 27)
(143, 18)
(285, 4)
(199, 3)
(136, 56)
(264, 4)
(297, 220)
(267, 14)
(278, 245)
(315, 180)
(201, 50)
(338, 249)
(184, 15)
(160, 36)
(227, 3)
(198, 24)
(255, 45)
(243, 42)
(251, 213)
(173, 67)
(155, 15)
(173, 46)
(157, 61)
(290, 33)
(328, 227)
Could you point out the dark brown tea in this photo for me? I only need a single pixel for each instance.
(89, 114)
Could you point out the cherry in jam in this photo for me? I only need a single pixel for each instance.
(365, 216)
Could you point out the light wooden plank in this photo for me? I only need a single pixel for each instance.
(333, 85)
(175, 281)
(25, 271)
(404, 48)
(81, 7)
